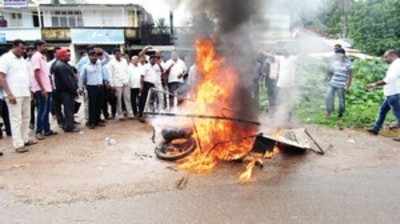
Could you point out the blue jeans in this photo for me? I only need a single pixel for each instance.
(43, 112)
(390, 103)
(330, 100)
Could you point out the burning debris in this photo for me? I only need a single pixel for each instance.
(217, 137)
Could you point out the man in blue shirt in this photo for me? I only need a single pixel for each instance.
(92, 78)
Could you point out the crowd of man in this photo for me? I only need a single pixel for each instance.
(120, 87)
(34, 89)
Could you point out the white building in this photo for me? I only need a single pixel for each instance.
(77, 25)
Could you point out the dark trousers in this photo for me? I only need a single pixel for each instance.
(32, 120)
(4, 113)
(68, 103)
(330, 100)
(103, 102)
(143, 98)
(94, 104)
(390, 103)
(134, 100)
(173, 88)
(57, 107)
(43, 112)
(111, 100)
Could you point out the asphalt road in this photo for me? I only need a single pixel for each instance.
(358, 181)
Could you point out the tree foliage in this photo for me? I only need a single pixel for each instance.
(373, 25)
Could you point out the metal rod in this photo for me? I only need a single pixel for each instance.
(321, 150)
(204, 117)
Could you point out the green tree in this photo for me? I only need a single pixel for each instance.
(374, 25)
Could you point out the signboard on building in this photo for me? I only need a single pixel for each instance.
(56, 34)
(15, 3)
(94, 36)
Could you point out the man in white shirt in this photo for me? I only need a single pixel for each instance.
(149, 78)
(15, 80)
(176, 70)
(120, 81)
(391, 90)
(286, 83)
(135, 74)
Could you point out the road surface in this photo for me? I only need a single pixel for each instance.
(82, 179)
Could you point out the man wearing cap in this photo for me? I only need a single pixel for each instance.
(340, 71)
(66, 86)
(15, 80)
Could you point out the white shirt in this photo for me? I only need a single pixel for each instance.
(178, 69)
(18, 74)
(287, 72)
(150, 74)
(392, 79)
(158, 71)
(135, 73)
(119, 73)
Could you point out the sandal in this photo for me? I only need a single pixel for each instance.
(31, 142)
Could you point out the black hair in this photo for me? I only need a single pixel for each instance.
(92, 52)
(340, 51)
(17, 42)
(39, 43)
(90, 47)
(116, 50)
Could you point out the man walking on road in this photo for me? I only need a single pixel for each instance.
(15, 80)
(391, 89)
(66, 86)
(42, 89)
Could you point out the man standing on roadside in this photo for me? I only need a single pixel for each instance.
(391, 89)
(149, 78)
(176, 70)
(120, 81)
(91, 78)
(42, 89)
(15, 80)
(66, 86)
(135, 75)
(340, 71)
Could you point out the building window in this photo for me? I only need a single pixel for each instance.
(16, 20)
(66, 19)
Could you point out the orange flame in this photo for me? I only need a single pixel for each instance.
(218, 139)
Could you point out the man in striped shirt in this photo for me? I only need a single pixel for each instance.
(340, 71)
